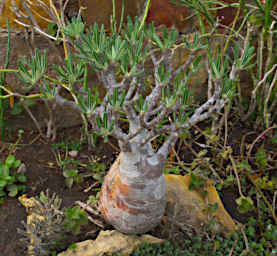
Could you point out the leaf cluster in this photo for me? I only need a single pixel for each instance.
(75, 28)
(11, 177)
(45, 232)
(49, 229)
(74, 218)
(125, 51)
(30, 72)
(71, 72)
(261, 236)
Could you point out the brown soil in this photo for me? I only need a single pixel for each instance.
(43, 173)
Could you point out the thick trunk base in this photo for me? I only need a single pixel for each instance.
(132, 201)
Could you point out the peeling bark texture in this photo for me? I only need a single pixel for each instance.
(133, 193)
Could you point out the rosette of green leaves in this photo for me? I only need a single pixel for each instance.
(30, 72)
(71, 72)
(49, 92)
(196, 44)
(105, 126)
(123, 51)
(116, 100)
(245, 61)
(93, 46)
(88, 105)
(219, 67)
(165, 41)
(75, 28)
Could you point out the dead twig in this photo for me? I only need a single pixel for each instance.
(255, 141)
(87, 208)
(236, 173)
(243, 141)
(274, 201)
(245, 239)
(33, 118)
(96, 222)
(233, 247)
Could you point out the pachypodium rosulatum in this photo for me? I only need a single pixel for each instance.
(136, 111)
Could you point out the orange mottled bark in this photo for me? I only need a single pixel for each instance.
(133, 195)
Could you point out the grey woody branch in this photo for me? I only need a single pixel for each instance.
(156, 110)
(213, 105)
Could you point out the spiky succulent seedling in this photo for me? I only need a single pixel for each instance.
(45, 230)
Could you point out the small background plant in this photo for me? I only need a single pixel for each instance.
(49, 226)
(245, 243)
(12, 174)
(74, 218)
(11, 178)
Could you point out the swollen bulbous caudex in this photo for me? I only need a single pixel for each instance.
(133, 200)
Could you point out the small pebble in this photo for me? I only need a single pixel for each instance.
(73, 153)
